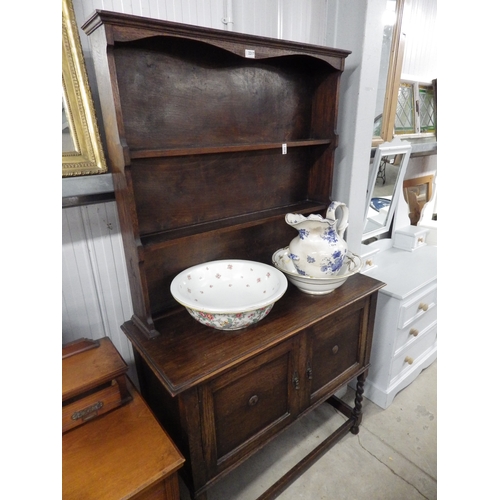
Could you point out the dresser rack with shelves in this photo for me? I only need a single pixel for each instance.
(213, 137)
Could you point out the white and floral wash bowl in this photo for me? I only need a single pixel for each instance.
(229, 294)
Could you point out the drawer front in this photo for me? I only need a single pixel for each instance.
(80, 411)
(335, 350)
(403, 362)
(415, 329)
(410, 242)
(254, 400)
(418, 306)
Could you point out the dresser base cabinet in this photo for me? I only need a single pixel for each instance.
(223, 395)
(405, 332)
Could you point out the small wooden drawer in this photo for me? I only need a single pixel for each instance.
(415, 329)
(75, 413)
(410, 238)
(419, 305)
(409, 357)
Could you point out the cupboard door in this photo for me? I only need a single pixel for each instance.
(335, 350)
(244, 407)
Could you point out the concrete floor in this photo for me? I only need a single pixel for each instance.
(394, 456)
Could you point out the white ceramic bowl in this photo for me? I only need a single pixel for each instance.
(316, 286)
(229, 294)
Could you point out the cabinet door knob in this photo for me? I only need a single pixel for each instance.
(414, 332)
(335, 349)
(253, 400)
(295, 381)
(408, 360)
(309, 372)
(423, 306)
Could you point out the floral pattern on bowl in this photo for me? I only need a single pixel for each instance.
(229, 294)
(230, 321)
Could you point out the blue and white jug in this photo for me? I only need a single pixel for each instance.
(319, 249)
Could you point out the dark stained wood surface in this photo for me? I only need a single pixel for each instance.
(210, 148)
(187, 352)
(195, 132)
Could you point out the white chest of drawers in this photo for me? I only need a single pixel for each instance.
(405, 334)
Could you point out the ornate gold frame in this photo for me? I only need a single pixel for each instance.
(88, 157)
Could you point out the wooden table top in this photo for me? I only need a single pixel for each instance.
(117, 455)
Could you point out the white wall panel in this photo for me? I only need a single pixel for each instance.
(419, 25)
(199, 12)
(259, 17)
(294, 20)
(81, 310)
(95, 292)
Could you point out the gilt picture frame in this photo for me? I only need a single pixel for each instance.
(84, 153)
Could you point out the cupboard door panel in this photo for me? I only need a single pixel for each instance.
(252, 401)
(335, 349)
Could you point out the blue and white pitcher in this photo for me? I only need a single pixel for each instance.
(319, 249)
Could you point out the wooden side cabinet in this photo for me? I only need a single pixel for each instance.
(122, 454)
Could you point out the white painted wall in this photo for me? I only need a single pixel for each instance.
(356, 26)
(96, 296)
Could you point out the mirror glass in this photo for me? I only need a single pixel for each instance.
(389, 21)
(68, 144)
(387, 172)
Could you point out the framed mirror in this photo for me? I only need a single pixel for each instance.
(82, 151)
(391, 62)
(385, 186)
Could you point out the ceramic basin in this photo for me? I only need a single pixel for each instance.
(229, 294)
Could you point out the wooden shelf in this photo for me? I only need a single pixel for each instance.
(166, 238)
(200, 150)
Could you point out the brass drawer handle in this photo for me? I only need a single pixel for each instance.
(414, 332)
(253, 400)
(335, 349)
(423, 306)
(409, 360)
(87, 413)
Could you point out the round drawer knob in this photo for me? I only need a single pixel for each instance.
(253, 400)
(420, 240)
(423, 306)
(408, 360)
(335, 349)
(414, 332)
(369, 262)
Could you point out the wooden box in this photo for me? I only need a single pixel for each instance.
(93, 381)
